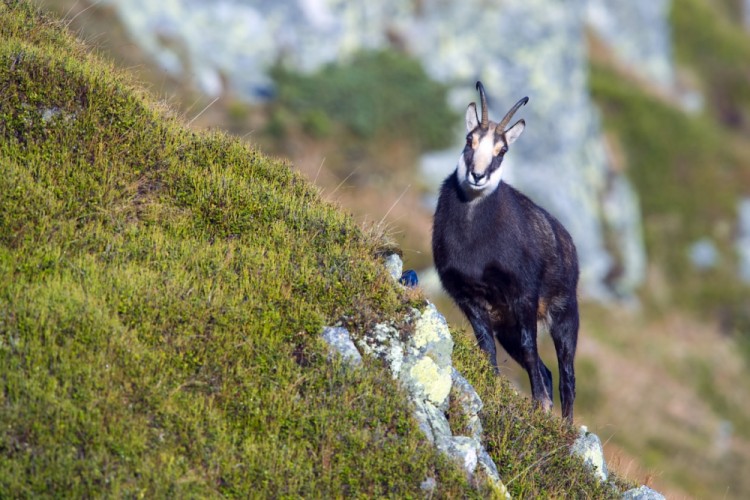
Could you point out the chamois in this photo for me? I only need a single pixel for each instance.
(509, 265)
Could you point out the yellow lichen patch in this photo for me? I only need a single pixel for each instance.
(435, 381)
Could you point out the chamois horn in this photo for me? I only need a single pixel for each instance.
(501, 126)
(485, 118)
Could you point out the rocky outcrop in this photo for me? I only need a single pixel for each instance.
(419, 357)
(639, 33)
(422, 364)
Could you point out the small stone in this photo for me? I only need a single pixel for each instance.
(642, 493)
(467, 396)
(339, 341)
(428, 485)
(394, 266)
(463, 450)
(588, 446)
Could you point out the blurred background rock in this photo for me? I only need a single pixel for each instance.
(636, 140)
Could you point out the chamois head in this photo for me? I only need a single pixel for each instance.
(479, 171)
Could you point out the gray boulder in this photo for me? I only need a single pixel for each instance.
(340, 343)
(588, 446)
(642, 493)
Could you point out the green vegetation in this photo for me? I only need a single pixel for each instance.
(375, 93)
(161, 295)
(689, 170)
(672, 157)
(718, 51)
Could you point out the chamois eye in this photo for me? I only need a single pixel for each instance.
(469, 140)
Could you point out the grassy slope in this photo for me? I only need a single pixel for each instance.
(161, 292)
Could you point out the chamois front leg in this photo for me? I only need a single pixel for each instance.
(480, 322)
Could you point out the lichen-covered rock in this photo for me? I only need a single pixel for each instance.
(432, 421)
(588, 446)
(422, 363)
(394, 265)
(462, 449)
(467, 396)
(427, 379)
(642, 493)
(427, 368)
(488, 466)
(432, 334)
(382, 341)
(469, 402)
(340, 342)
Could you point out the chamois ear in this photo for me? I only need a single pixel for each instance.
(472, 119)
(514, 132)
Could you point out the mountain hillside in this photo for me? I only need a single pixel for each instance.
(162, 293)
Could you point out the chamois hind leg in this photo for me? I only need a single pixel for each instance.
(564, 332)
(480, 322)
(519, 340)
